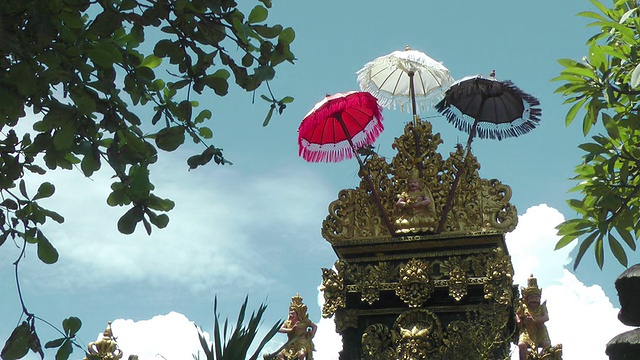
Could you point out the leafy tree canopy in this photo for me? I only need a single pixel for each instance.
(83, 70)
(604, 86)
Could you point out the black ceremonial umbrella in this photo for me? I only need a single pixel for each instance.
(490, 109)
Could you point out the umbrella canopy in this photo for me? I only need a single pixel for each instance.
(339, 125)
(404, 76)
(489, 108)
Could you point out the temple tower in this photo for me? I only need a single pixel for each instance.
(412, 282)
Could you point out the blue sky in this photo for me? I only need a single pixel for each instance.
(254, 227)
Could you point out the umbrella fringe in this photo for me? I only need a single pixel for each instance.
(391, 101)
(342, 150)
(486, 130)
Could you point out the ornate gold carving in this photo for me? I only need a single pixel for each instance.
(456, 268)
(346, 319)
(369, 279)
(333, 290)
(485, 334)
(415, 287)
(105, 348)
(378, 343)
(420, 334)
(499, 278)
(479, 205)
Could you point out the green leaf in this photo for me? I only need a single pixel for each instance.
(593, 148)
(161, 221)
(46, 252)
(204, 115)
(596, 56)
(617, 250)
(71, 325)
(269, 115)
(104, 54)
(89, 164)
(564, 241)
(205, 132)
(9, 204)
(54, 343)
(286, 100)
(45, 190)
(127, 222)
(64, 351)
(268, 32)
(23, 188)
(583, 248)
(287, 36)
(599, 252)
(611, 125)
(169, 139)
(258, 14)
(574, 111)
(628, 238)
(635, 77)
(19, 343)
(627, 15)
(53, 216)
(151, 62)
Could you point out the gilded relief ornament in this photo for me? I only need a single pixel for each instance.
(346, 319)
(456, 268)
(368, 280)
(499, 278)
(414, 287)
(333, 291)
(420, 335)
(378, 343)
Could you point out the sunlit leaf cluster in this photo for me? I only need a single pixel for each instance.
(603, 89)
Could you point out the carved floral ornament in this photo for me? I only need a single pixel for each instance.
(479, 205)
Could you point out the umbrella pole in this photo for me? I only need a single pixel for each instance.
(376, 197)
(416, 136)
(412, 93)
(447, 206)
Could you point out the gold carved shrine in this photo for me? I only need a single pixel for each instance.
(422, 273)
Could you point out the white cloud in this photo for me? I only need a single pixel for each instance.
(170, 337)
(328, 342)
(218, 236)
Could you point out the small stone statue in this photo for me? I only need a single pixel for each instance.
(298, 326)
(416, 207)
(531, 316)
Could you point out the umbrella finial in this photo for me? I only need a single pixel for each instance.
(407, 47)
(493, 73)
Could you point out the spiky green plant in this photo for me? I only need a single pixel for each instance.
(235, 343)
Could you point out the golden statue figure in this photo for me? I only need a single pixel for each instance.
(300, 329)
(531, 316)
(416, 207)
